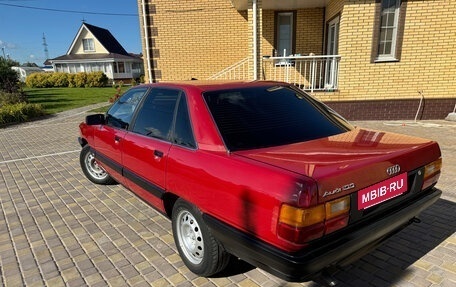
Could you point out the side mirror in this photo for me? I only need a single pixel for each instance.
(97, 119)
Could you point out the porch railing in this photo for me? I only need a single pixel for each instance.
(237, 71)
(310, 73)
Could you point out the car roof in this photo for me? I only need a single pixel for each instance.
(214, 85)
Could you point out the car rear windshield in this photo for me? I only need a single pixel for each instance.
(258, 117)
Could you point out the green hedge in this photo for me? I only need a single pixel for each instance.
(64, 80)
(12, 98)
(19, 112)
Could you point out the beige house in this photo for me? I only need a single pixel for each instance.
(96, 49)
(369, 59)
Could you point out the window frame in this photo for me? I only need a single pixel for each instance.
(291, 14)
(152, 94)
(182, 99)
(120, 123)
(171, 136)
(88, 45)
(397, 35)
(117, 68)
(334, 21)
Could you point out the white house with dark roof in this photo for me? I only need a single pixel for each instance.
(96, 49)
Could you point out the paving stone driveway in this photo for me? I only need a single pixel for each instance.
(58, 229)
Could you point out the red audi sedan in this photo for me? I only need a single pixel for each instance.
(261, 171)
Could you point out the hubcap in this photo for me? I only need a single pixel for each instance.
(190, 237)
(94, 169)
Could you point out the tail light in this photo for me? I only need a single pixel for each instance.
(300, 225)
(432, 173)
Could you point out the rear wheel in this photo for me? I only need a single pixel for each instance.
(91, 169)
(199, 250)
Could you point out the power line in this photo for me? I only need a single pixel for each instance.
(69, 11)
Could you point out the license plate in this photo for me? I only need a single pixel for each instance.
(382, 191)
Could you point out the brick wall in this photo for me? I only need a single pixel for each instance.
(196, 38)
(428, 56)
(334, 8)
(405, 109)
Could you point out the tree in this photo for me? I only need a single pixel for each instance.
(8, 77)
(29, 64)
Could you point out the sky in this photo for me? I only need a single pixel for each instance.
(23, 23)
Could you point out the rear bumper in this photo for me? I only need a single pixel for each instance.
(336, 249)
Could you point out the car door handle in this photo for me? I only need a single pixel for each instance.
(116, 139)
(158, 153)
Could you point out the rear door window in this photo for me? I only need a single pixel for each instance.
(183, 133)
(157, 114)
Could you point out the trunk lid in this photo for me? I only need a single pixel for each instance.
(351, 161)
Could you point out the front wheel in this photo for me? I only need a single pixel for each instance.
(91, 169)
(199, 250)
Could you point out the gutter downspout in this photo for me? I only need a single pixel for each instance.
(255, 40)
(146, 36)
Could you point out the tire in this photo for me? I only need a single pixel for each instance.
(91, 169)
(199, 250)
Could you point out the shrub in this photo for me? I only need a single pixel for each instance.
(39, 80)
(20, 112)
(59, 80)
(8, 77)
(118, 84)
(31, 81)
(71, 80)
(116, 95)
(12, 98)
(80, 80)
(96, 79)
(62, 80)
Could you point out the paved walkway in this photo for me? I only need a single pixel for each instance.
(58, 229)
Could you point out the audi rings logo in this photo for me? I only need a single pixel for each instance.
(393, 169)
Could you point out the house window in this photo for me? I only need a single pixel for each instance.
(72, 68)
(285, 33)
(88, 45)
(388, 30)
(119, 67)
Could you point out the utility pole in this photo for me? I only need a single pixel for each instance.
(45, 45)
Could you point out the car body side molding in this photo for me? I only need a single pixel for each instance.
(107, 161)
(133, 177)
(144, 184)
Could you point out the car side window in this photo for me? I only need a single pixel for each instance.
(183, 133)
(121, 112)
(156, 115)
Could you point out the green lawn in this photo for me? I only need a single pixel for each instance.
(55, 100)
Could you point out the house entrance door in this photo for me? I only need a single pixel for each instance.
(332, 47)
